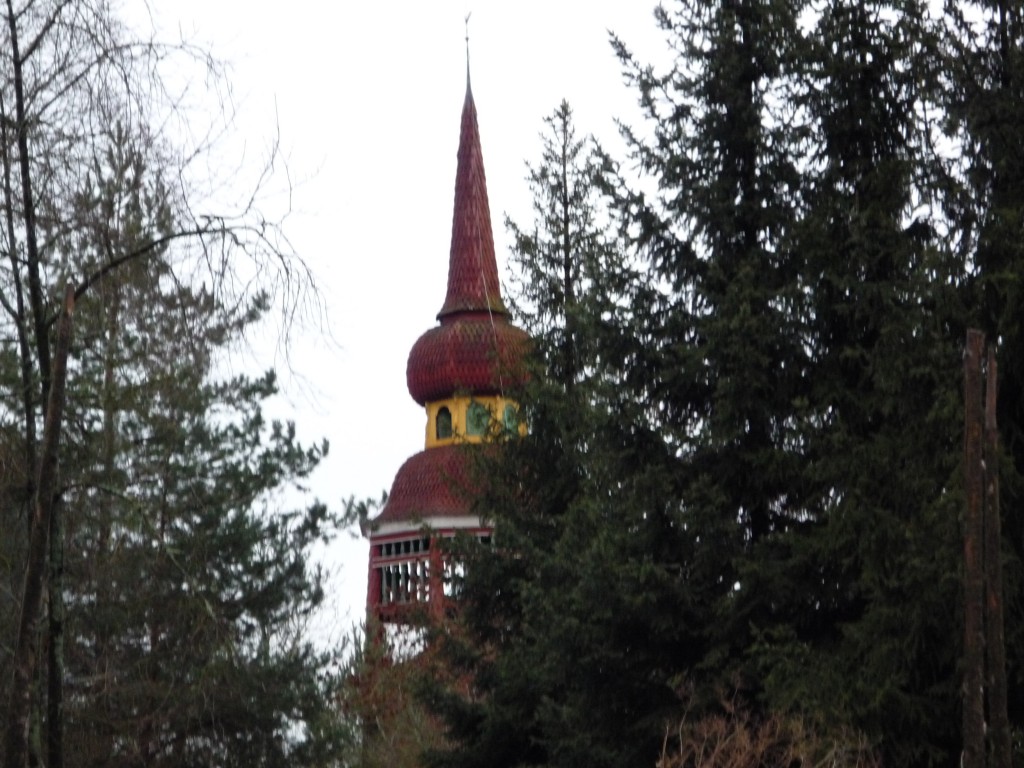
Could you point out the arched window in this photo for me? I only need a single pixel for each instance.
(443, 425)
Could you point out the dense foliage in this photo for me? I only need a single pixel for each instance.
(742, 481)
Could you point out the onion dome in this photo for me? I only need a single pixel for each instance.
(473, 353)
(474, 349)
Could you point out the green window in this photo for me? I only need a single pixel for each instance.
(511, 418)
(477, 419)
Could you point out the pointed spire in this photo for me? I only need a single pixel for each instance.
(475, 349)
(472, 269)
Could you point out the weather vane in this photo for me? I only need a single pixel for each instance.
(467, 46)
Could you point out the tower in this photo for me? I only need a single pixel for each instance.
(459, 371)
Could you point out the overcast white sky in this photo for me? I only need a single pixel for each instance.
(367, 97)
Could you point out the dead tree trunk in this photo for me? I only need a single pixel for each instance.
(974, 650)
(995, 645)
(984, 644)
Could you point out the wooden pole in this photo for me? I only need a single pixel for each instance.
(995, 645)
(974, 653)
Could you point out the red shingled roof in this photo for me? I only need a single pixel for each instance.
(431, 483)
(474, 353)
(475, 349)
(472, 270)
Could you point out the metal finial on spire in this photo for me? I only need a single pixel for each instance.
(467, 48)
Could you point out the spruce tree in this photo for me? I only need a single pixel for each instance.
(729, 376)
(875, 568)
(551, 616)
(187, 586)
(742, 477)
(984, 55)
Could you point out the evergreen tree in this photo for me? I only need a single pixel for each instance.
(747, 484)
(187, 589)
(742, 476)
(868, 644)
(729, 377)
(557, 632)
(568, 278)
(984, 56)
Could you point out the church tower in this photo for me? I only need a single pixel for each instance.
(459, 371)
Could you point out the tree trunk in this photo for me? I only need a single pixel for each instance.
(55, 637)
(973, 707)
(568, 281)
(995, 646)
(17, 312)
(23, 666)
(35, 290)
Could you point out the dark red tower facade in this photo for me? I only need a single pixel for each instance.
(459, 371)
